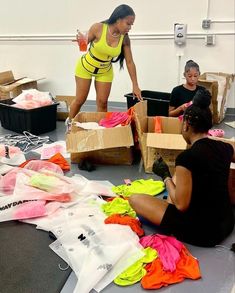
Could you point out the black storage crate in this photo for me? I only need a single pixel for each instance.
(157, 102)
(36, 121)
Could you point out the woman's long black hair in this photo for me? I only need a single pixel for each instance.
(120, 12)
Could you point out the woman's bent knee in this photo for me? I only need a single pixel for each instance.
(135, 201)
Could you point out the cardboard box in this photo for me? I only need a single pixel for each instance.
(63, 107)
(105, 146)
(219, 85)
(11, 87)
(167, 144)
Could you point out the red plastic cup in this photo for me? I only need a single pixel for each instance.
(82, 39)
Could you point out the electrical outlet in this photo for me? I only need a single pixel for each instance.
(206, 23)
(210, 40)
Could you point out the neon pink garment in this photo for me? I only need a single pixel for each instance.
(8, 181)
(216, 132)
(32, 98)
(49, 151)
(39, 165)
(12, 150)
(168, 248)
(157, 277)
(187, 105)
(17, 182)
(18, 208)
(114, 119)
(27, 105)
(31, 209)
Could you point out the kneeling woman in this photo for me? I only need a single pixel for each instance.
(198, 210)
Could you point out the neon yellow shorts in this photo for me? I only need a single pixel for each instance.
(81, 72)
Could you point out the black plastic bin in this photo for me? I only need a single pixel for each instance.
(157, 102)
(36, 121)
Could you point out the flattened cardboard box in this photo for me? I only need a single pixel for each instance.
(167, 144)
(106, 146)
(11, 87)
(212, 87)
(219, 100)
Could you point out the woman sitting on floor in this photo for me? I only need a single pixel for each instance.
(198, 210)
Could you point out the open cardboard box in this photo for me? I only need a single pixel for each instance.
(102, 146)
(11, 87)
(63, 107)
(167, 144)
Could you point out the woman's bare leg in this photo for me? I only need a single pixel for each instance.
(102, 94)
(82, 90)
(151, 208)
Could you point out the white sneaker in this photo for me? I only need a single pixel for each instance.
(68, 124)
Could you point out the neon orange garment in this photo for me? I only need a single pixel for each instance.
(157, 124)
(25, 163)
(168, 248)
(58, 159)
(134, 224)
(157, 277)
(131, 113)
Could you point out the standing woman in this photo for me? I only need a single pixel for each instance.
(109, 42)
(183, 94)
(198, 210)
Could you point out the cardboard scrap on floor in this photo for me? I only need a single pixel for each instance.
(231, 124)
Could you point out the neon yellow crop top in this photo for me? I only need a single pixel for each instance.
(99, 56)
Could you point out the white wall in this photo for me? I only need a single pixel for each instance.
(158, 63)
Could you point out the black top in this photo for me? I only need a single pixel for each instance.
(180, 95)
(210, 208)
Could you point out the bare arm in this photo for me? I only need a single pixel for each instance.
(175, 112)
(131, 67)
(94, 32)
(180, 193)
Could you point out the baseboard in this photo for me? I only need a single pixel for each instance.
(230, 111)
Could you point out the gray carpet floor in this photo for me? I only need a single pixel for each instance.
(217, 264)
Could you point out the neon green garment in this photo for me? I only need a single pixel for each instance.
(118, 206)
(44, 182)
(149, 186)
(135, 272)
